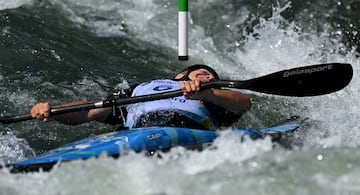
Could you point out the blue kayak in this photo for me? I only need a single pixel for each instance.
(148, 139)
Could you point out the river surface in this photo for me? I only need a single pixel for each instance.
(61, 51)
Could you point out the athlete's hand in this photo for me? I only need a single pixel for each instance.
(41, 111)
(191, 89)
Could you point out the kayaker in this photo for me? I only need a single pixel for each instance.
(206, 109)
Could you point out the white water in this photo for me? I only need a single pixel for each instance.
(5, 4)
(329, 163)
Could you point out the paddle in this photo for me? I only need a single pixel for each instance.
(298, 82)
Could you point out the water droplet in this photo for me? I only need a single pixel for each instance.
(320, 157)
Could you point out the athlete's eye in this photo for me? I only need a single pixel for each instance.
(203, 74)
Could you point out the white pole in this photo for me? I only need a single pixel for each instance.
(183, 36)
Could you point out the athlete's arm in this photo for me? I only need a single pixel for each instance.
(233, 101)
(41, 111)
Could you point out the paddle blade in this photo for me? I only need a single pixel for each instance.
(303, 81)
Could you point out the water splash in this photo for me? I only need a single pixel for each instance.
(13, 149)
(277, 44)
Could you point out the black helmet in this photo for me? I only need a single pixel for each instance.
(188, 70)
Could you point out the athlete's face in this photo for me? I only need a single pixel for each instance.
(201, 74)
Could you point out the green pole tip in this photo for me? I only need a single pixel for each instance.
(183, 5)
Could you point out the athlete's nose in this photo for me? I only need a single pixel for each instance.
(206, 78)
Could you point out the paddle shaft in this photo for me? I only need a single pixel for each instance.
(298, 82)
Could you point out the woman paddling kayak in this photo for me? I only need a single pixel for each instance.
(206, 109)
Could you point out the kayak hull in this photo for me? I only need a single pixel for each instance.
(121, 142)
(148, 139)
